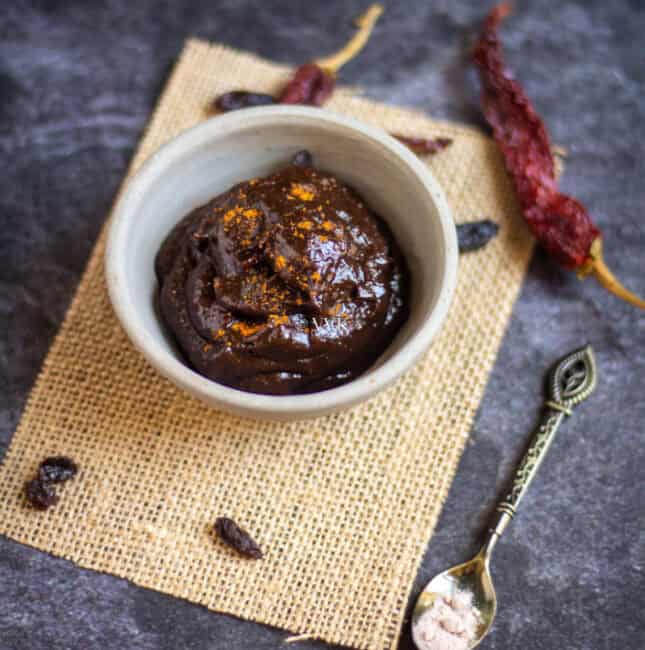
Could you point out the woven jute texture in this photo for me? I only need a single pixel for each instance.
(343, 505)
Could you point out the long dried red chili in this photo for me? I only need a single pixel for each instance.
(559, 222)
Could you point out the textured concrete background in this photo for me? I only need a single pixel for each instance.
(78, 80)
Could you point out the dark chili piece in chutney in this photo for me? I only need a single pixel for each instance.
(560, 223)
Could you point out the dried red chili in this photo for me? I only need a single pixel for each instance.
(310, 84)
(559, 222)
(423, 145)
(313, 83)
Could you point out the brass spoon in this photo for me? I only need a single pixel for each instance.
(572, 380)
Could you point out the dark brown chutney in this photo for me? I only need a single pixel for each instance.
(284, 284)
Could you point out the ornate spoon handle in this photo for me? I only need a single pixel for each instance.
(572, 380)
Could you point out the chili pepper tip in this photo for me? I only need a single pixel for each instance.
(596, 266)
(503, 9)
(365, 23)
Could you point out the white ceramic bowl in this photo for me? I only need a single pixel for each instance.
(206, 160)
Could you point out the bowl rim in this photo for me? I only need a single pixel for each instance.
(239, 401)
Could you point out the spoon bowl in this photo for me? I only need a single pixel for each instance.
(472, 577)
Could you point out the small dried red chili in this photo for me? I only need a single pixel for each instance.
(313, 83)
(559, 222)
(423, 145)
(310, 84)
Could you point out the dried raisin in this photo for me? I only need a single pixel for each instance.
(57, 469)
(236, 537)
(40, 494)
(237, 99)
(475, 235)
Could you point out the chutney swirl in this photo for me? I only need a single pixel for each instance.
(284, 284)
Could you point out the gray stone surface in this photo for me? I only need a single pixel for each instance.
(77, 82)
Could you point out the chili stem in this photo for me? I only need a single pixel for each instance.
(596, 266)
(557, 150)
(365, 23)
(300, 637)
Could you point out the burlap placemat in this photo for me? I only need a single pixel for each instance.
(343, 505)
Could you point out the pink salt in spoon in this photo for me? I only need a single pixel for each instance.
(456, 609)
